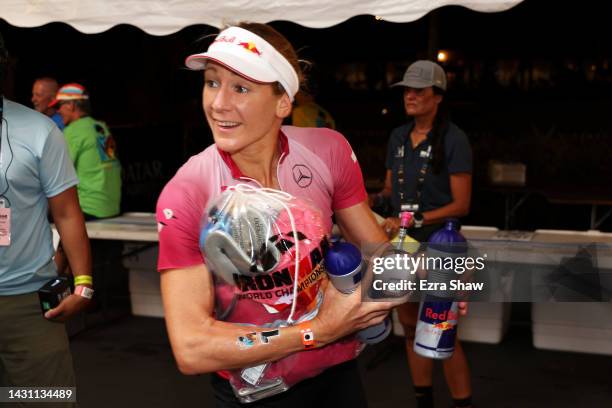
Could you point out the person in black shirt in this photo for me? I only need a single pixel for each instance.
(429, 172)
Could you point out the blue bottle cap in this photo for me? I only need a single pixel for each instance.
(448, 238)
(452, 224)
(342, 258)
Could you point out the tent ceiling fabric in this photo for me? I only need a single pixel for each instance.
(161, 17)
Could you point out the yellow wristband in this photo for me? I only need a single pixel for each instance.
(307, 335)
(83, 280)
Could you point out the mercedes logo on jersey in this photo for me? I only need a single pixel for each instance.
(302, 175)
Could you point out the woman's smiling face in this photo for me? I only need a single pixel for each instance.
(241, 113)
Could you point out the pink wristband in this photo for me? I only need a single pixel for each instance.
(84, 291)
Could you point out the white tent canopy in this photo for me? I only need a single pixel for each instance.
(161, 17)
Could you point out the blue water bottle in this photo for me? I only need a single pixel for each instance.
(436, 328)
(345, 266)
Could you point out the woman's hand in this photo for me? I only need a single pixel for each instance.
(342, 314)
(391, 226)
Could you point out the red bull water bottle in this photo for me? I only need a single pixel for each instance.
(345, 267)
(436, 328)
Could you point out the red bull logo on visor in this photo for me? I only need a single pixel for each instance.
(250, 45)
(247, 45)
(225, 38)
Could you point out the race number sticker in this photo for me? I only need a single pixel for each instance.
(253, 374)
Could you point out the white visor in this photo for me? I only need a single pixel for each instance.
(250, 56)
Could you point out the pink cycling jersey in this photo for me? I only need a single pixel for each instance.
(317, 165)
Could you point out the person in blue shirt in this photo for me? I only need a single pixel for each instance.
(43, 93)
(36, 176)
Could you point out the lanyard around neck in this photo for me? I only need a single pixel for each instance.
(413, 205)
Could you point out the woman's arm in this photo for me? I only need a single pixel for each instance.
(375, 198)
(387, 189)
(461, 192)
(359, 226)
(201, 343)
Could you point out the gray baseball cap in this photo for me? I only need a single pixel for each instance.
(423, 73)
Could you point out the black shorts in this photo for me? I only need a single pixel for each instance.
(338, 386)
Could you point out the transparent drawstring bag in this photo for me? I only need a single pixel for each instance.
(266, 249)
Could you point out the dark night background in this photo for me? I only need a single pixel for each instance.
(532, 84)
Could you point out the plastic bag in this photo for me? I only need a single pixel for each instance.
(266, 249)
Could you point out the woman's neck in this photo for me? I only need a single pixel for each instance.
(423, 124)
(259, 162)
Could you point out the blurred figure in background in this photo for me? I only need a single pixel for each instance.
(92, 149)
(43, 93)
(307, 113)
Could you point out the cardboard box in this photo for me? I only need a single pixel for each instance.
(145, 293)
